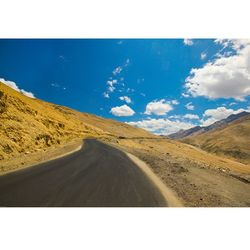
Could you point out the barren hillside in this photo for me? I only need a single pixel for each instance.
(229, 141)
(31, 125)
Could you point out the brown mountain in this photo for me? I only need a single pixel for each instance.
(229, 137)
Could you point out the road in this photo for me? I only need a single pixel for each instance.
(98, 175)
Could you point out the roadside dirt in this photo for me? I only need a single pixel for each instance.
(196, 184)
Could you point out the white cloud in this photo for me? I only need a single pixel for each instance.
(106, 95)
(191, 117)
(189, 106)
(111, 88)
(117, 70)
(174, 102)
(111, 82)
(207, 122)
(161, 126)
(185, 95)
(213, 115)
(174, 116)
(15, 87)
(27, 93)
(125, 99)
(225, 77)
(160, 107)
(188, 42)
(123, 110)
(203, 55)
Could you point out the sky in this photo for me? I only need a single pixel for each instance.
(161, 85)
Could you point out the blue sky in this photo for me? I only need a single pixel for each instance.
(161, 85)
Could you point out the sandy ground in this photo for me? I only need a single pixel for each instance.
(196, 184)
(31, 159)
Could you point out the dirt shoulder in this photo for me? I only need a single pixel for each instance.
(198, 183)
(29, 159)
(169, 195)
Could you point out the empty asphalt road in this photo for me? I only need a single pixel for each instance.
(98, 175)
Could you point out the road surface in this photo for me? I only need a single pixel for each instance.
(98, 175)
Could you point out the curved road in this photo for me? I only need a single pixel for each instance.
(98, 175)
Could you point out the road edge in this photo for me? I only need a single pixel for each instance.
(168, 194)
(45, 161)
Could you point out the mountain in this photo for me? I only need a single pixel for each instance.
(197, 130)
(184, 133)
(229, 137)
(29, 125)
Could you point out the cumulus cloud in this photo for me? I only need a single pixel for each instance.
(191, 117)
(123, 110)
(227, 76)
(15, 87)
(212, 115)
(161, 126)
(188, 42)
(160, 107)
(189, 106)
(125, 99)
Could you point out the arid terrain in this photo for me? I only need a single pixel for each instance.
(230, 140)
(30, 127)
(32, 131)
(199, 179)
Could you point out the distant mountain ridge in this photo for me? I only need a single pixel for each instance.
(197, 130)
(229, 138)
